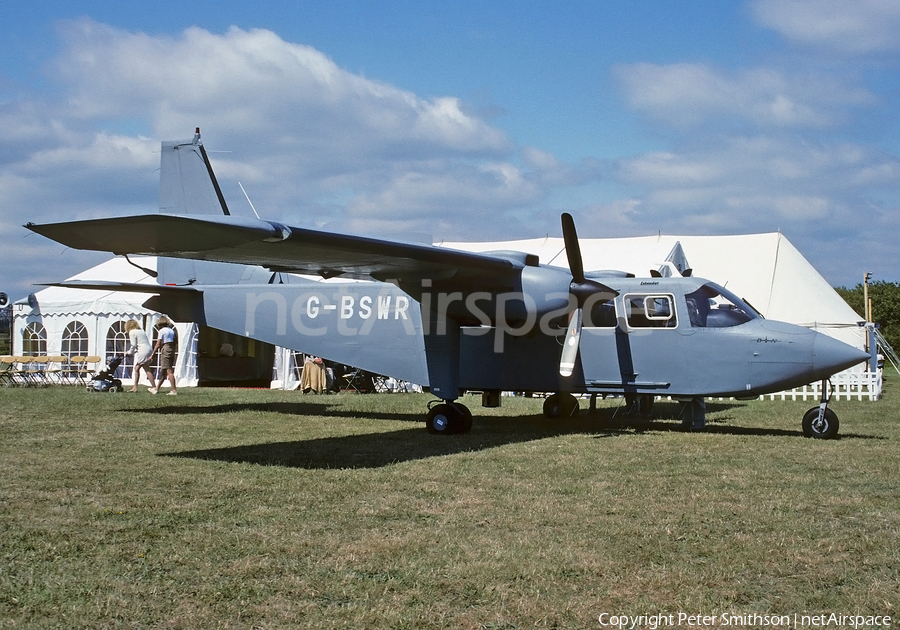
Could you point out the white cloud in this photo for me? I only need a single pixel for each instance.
(665, 168)
(463, 192)
(858, 26)
(757, 184)
(105, 152)
(256, 82)
(689, 95)
(621, 217)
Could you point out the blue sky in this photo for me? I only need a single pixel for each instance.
(464, 120)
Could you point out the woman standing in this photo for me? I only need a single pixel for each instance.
(142, 351)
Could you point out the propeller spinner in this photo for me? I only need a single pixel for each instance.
(582, 290)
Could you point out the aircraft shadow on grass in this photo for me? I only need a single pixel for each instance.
(375, 450)
(302, 408)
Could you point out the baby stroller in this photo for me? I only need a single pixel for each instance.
(103, 381)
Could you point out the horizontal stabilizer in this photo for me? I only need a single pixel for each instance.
(155, 234)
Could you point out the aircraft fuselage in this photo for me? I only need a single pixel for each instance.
(664, 336)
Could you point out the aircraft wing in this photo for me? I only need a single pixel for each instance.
(276, 246)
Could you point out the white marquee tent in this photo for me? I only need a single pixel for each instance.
(91, 322)
(84, 322)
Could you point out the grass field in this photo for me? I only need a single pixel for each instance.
(268, 509)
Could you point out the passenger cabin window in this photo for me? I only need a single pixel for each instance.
(712, 306)
(650, 311)
(600, 315)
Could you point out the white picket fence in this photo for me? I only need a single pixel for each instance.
(847, 386)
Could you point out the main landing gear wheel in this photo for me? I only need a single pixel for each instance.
(824, 429)
(560, 406)
(449, 418)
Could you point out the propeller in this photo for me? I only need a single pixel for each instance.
(581, 289)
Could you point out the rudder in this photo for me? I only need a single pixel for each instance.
(187, 183)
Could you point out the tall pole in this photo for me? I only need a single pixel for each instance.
(866, 304)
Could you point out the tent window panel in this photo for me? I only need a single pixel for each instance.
(34, 340)
(74, 342)
(117, 343)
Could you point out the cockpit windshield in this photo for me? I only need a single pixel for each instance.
(712, 306)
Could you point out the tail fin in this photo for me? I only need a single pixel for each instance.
(187, 183)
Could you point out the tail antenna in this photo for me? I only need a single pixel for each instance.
(248, 200)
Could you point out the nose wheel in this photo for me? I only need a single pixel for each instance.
(448, 418)
(821, 422)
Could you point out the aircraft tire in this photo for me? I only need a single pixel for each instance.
(439, 420)
(560, 406)
(828, 430)
(552, 406)
(448, 418)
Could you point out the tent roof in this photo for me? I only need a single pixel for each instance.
(66, 301)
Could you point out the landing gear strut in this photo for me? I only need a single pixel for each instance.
(821, 422)
(447, 418)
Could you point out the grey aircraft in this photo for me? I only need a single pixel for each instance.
(452, 320)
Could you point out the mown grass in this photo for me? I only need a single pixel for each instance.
(258, 509)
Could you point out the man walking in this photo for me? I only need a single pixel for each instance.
(165, 343)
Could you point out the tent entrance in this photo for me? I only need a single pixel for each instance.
(229, 360)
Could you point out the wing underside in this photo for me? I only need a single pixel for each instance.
(275, 246)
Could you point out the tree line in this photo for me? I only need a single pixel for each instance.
(885, 298)
(5, 328)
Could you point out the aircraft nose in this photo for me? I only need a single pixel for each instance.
(831, 356)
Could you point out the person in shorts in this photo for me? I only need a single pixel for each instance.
(165, 343)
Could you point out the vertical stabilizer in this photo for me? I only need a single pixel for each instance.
(187, 183)
(676, 263)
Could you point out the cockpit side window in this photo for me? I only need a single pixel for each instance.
(712, 306)
(600, 314)
(650, 311)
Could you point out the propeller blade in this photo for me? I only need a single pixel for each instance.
(570, 347)
(573, 249)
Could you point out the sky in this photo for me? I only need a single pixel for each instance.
(463, 120)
